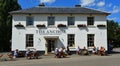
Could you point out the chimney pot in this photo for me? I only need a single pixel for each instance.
(42, 5)
(77, 5)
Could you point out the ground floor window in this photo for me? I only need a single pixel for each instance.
(71, 40)
(29, 40)
(90, 40)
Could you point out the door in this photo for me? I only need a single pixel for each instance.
(51, 45)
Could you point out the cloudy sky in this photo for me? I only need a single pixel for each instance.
(111, 6)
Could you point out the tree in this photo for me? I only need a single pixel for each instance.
(6, 6)
(113, 33)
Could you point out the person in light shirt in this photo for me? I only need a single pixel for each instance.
(78, 50)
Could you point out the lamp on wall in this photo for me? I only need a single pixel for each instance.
(39, 39)
(62, 39)
(29, 14)
(70, 14)
(90, 14)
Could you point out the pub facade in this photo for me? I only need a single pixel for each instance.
(46, 28)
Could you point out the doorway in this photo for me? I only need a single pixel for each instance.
(51, 45)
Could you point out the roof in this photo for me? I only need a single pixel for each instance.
(58, 10)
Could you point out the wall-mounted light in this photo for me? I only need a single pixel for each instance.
(90, 14)
(70, 14)
(39, 39)
(62, 39)
(29, 14)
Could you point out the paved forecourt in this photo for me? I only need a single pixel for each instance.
(74, 60)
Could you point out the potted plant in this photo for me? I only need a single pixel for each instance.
(39, 25)
(19, 25)
(61, 25)
(81, 25)
(101, 25)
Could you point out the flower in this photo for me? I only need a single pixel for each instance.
(19, 25)
(81, 25)
(61, 25)
(39, 25)
(101, 25)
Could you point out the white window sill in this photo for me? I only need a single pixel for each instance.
(91, 26)
(72, 47)
(51, 26)
(30, 26)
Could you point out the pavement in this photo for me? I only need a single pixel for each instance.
(73, 60)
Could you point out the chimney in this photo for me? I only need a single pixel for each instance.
(42, 5)
(77, 5)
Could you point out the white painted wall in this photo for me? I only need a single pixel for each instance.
(19, 38)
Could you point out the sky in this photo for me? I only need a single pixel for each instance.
(110, 6)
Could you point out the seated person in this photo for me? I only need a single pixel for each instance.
(64, 52)
(94, 51)
(15, 53)
(85, 51)
(78, 50)
(56, 52)
(27, 53)
(102, 51)
(68, 50)
(35, 53)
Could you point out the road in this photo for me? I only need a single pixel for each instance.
(74, 60)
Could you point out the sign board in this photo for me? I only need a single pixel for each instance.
(50, 32)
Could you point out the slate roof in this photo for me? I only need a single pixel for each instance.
(58, 10)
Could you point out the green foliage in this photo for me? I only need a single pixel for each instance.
(113, 29)
(6, 22)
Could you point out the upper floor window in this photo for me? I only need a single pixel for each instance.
(71, 20)
(90, 40)
(29, 40)
(90, 20)
(29, 20)
(51, 20)
(71, 40)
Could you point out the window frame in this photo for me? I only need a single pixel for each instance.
(71, 20)
(29, 40)
(49, 20)
(71, 40)
(90, 20)
(90, 40)
(29, 20)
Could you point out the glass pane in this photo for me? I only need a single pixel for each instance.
(29, 40)
(71, 39)
(90, 20)
(90, 40)
(51, 20)
(29, 20)
(71, 20)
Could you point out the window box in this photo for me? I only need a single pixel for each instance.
(40, 25)
(61, 25)
(19, 25)
(81, 25)
(101, 25)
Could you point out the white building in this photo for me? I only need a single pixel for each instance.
(47, 28)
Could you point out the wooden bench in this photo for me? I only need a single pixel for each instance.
(33, 55)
